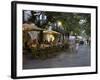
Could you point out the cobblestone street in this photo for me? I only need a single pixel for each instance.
(64, 59)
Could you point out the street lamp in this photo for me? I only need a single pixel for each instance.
(59, 23)
(40, 18)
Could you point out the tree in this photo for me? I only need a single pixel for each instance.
(70, 21)
(86, 25)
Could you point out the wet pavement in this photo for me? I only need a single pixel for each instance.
(64, 59)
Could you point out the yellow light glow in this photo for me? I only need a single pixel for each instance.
(50, 37)
(59, 23)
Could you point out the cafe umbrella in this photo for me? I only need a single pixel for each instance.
(50, 32)
(31, 27)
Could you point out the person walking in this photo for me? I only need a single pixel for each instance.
(72, 43)
(76, 45)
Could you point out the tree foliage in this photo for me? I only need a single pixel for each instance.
(70, 21)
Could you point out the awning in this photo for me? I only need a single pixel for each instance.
(50, 32)
(31, 27)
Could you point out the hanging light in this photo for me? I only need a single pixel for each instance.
(59, 23)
